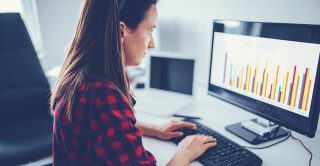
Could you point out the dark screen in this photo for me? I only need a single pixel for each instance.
(172, 74)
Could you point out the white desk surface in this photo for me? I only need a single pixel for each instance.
(217, 114)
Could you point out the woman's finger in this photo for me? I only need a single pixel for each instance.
(189, 125)
(207, 139)
(180, 124)
(170, 135)
(210, 144)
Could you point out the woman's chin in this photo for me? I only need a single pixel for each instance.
(134, 63)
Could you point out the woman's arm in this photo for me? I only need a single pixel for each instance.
(164, 131)
(147, 129)
(180, 159)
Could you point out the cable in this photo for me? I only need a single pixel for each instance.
(263, 147)
(289, 135)
(309, 151)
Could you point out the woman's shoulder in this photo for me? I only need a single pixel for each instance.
(97, 85)
(96, 82)
(101, 89)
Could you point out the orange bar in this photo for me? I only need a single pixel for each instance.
(307, 97)
(264, 72)
(303, 104)
(256, 78)
(292, 85)
(304, 84)
(241, 78)
(296, 91)
(245, 87)
(275, 84)
(265, 87)
(285, 88)
(249, 79)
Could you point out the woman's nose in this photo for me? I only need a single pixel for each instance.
(151, 43)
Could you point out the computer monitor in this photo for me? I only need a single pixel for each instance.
(172, 73)
(169, 84)
(271, 70)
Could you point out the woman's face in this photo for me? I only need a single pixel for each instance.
(135, 42)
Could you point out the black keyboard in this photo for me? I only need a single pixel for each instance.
(225, 153)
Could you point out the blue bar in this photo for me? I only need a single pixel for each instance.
(279, 94)
(252, 85)
(302, 85)
(289, 94)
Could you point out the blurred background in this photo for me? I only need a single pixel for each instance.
(184, 26)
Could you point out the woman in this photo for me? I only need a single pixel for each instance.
(94, 120)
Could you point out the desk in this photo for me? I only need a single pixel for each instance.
(217, 114)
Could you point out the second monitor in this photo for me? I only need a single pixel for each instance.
(172, 74)
(170, 84)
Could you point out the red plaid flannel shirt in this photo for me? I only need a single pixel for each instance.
(102, 130)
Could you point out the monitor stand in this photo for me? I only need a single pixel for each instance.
(256, 131)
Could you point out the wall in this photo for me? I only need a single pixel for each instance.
(185, 26)
(58, 20)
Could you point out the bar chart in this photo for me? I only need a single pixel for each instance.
(278, 72)
(285, 92)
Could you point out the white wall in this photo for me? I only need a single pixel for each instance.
(185, 26)
(58, 19)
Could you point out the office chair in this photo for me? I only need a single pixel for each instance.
(25, 120)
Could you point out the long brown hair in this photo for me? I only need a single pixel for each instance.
(96, 48)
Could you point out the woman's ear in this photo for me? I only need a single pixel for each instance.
(122, 29)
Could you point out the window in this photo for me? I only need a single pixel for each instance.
(28, 12)
(10, 6)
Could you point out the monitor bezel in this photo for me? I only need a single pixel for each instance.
(309, 124)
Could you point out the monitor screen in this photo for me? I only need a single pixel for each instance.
(172, 74)
(270, 69)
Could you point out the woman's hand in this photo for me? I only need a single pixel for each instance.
(167, 130)
(196, 145)
(191, 148)
(164, 131)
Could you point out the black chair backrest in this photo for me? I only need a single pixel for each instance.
(24, 89)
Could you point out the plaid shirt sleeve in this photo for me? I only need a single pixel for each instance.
(117, 140)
